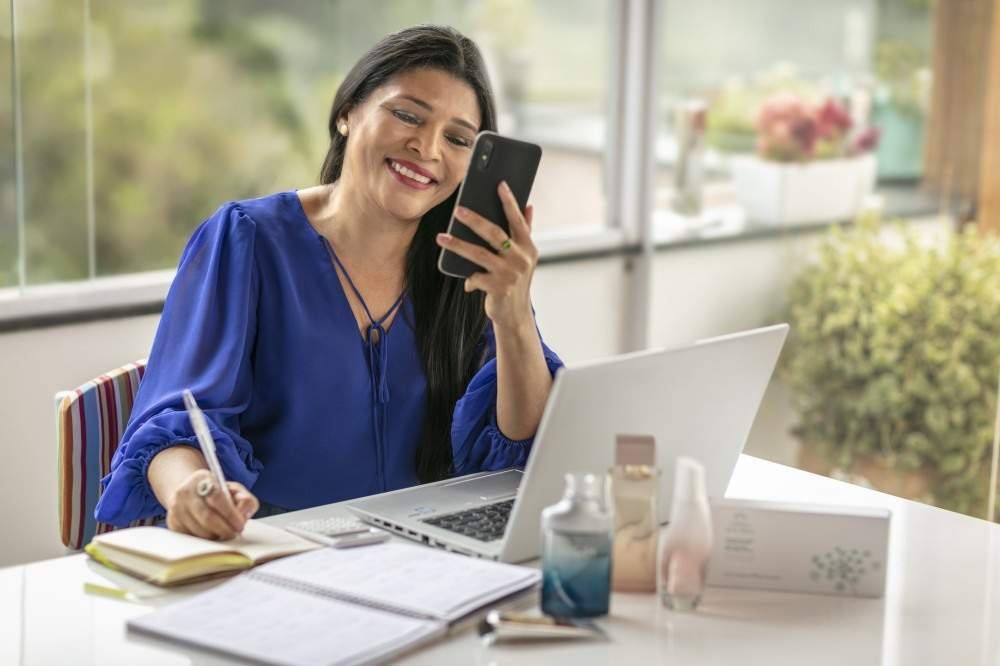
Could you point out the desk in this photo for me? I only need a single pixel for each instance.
(942, 605)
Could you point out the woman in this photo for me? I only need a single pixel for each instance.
(330, 356)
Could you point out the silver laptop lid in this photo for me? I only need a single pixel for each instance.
(698, 400)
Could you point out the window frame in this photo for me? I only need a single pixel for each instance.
(627, 230)
(26, 306)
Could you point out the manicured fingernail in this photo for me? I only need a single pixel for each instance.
(461, 211)
(443, 238)
(505, 186)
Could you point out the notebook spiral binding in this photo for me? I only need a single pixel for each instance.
(322, 592)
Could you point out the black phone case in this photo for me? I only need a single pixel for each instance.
(511, 160)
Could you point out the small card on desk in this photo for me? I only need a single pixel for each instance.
(799, 547)
(164, 557)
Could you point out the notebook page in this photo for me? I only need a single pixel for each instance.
(260, 541)
(417, 579)
(160, 543)
(267, 623)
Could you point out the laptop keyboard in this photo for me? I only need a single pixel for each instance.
(485, 523)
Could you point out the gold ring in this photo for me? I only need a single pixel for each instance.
(505, 245)
(204, 488)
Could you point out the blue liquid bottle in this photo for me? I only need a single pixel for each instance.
(576, 550)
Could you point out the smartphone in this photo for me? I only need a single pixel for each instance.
(495, 158)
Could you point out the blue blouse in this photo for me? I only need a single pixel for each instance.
(257, 325)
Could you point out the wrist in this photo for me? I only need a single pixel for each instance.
(170, 469)
(523, 325)
(518, 330)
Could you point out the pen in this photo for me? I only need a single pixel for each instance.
(207, 443)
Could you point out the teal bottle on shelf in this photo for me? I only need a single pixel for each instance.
(576, 550)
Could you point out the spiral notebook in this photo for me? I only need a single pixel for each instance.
(330, 606)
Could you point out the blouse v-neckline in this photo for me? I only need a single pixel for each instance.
(376, 349)
(335, 263)
(374, 325)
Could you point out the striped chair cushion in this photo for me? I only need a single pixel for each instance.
(91, 420)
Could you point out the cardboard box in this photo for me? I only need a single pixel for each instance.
(799, 547)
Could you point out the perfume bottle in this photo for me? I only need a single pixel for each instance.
(634, 481)
(576, 550)
(687, 541)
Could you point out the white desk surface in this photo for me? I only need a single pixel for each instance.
(942, 605)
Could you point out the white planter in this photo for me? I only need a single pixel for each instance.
(790, 192)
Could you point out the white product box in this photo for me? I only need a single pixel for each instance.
(799, 547)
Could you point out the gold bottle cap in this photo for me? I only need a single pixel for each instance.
(635, 450)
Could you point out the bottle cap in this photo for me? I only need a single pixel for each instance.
(585, 485)
(635, 450)
(689, 480)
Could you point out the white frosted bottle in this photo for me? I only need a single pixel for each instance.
(687, 541)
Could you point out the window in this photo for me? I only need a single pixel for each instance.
(867, 60)
(141, 117)
(777, 101)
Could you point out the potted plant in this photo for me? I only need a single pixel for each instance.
(810, 164)
(733, 109)
(894, 359)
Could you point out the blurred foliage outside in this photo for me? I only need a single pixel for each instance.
(196, 102)
(8, 221)
(895, 354)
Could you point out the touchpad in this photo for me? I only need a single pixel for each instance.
(487, 488)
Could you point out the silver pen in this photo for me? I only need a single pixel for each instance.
(207, 443)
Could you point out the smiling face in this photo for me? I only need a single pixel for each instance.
(410, 141)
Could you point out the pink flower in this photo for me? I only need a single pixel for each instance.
(780, 130)
(783, 107)
(805, 130)
(832, 119)
(790, 128)
(786, 128)
(866, 141)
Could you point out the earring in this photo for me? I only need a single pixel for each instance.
(343, 128)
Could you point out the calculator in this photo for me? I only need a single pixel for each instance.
(339, 532)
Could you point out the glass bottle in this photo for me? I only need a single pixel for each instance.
(576, 550)
(634, 495)
(687, 541)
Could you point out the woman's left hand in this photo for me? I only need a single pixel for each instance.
(507, 280)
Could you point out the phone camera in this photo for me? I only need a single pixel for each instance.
(483, 160)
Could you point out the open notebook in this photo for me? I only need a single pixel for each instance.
(329, 606)
(164, 557)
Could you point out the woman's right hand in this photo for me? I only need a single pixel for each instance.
(212, 516)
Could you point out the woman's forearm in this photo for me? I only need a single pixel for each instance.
(171, 467)
(523, 380)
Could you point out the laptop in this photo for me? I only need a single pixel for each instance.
(697, 400)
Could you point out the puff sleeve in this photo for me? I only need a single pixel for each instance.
(204, 342)
(476, 441)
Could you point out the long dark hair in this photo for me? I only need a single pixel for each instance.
(449, 322)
